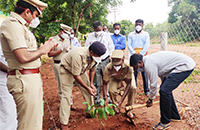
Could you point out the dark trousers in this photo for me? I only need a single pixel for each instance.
(168, 109)
(145, 80)
(98, 77)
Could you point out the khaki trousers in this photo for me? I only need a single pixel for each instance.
(28, 95)
(56, 70)
(67, 80)
(114, 85)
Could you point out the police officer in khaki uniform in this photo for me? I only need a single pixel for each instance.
(64, 46)
(74, 67)
(20, 50)
(116, 73)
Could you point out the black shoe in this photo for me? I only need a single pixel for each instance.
(88, 115)
(97, 103)
(147, 93)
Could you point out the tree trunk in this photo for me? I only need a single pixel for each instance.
(80, 17)
(73, 22)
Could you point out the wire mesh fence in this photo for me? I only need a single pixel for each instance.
(184, 37)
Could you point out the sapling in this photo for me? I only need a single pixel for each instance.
(100, 111)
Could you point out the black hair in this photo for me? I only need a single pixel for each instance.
(116, 25)
(105, 25)
(91, 49)
(139, 21)
(135, 58)
(97, 48)
(22, 5)
(96, 24)
(61, 29)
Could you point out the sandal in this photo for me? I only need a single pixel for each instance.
(130, 116)
(164, 127)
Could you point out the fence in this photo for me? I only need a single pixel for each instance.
(184, 37)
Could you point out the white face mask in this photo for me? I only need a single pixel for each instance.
(117, 68)
(97, 34)
(72, 35)
(138, 28)
(97, 59)
(117, 32)
(34, 23)
(64, 36)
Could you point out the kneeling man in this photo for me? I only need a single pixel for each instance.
(117, 73)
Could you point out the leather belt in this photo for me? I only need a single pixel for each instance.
(105, 58)
(25, 71)
(56, 61)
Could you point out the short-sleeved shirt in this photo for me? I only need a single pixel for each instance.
(66, 44)
(78, 61)
(126, 72)
(15, 34)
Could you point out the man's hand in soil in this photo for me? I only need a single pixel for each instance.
(92, 91)
(149, 102)
(119, 106)
(94, 88)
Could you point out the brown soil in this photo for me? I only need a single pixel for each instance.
(145, 118)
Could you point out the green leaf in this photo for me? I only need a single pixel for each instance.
(100, 113)
(102, 102)
(92, 114)
(107, 109)
(111, 111)
(88, 106)
(86, 103)
(95, 111)
(95, 105)
(104, 113)
(111, 105)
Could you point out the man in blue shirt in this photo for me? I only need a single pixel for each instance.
(139, 42)
(118, 39)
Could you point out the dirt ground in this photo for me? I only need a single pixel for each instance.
(145, 118)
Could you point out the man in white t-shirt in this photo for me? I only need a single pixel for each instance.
(8, 113)
(104, 38)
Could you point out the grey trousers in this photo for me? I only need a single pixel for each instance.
(98, 77)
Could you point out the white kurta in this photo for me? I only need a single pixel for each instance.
(8, 113)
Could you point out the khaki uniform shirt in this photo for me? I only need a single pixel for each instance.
(15, 34)
(78, 61)
(126, 72)
(62, 44)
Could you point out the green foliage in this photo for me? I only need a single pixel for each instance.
(191, 78)
(78, 14)
(182, 12)
(100, 111)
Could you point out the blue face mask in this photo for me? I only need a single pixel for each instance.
(106, 31)
(141, 69)
(62, 36)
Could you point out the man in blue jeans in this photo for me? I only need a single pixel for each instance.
(173, 68)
